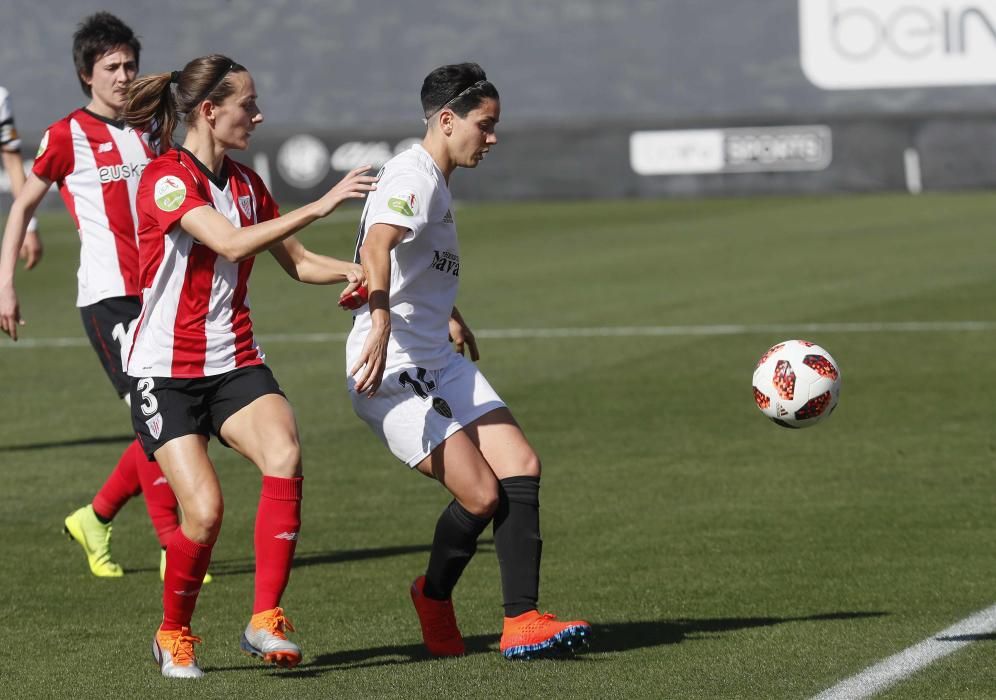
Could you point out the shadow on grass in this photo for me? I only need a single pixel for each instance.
(606, 637)
(982, 637)
(79, 442)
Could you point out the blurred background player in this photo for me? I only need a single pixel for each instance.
(432, 407)
(13, 165)
(96, 161)
(195, 364)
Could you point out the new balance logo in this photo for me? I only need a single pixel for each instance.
(105, 147)
(289, 536)
(161, 481)
(187, 594)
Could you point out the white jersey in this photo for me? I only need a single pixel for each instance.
(425, 266)
(9, 140)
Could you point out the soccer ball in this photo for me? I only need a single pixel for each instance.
(796, 384)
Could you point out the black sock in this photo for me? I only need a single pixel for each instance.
(518, 542)
(453, 545)
(102, 519)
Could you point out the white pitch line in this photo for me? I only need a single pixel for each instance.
(890, 671)
(605, 332)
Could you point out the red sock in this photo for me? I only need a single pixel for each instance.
(120, 487)
(278, 521)
(186, 564)
(160, 500)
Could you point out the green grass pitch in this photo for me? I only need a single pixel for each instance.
(715, 554)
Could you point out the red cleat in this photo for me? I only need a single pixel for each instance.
(439, 627)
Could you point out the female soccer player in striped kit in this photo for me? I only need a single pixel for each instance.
(195, 365)
(433, 408)
(96, 161)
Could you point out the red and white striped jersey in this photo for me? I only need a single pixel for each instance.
(195, 304)
(96, 163)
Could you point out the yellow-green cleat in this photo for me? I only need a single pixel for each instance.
(95, 539)
(162, 569)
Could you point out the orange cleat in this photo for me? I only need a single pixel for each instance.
(173, 650)
(535, 636)
(266, 639)
(439, 628)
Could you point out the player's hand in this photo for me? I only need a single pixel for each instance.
(353, 299)
(10, 313)
(372, 360)
(463, 338)
(355, 294)
(31, 248)
(354, 185)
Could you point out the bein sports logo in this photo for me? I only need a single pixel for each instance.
(121, 171)
(855, 44)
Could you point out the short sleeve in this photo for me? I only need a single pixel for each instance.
(9, 140)
(267, 206)
(55, 159)
(401, 200)
(167, 193)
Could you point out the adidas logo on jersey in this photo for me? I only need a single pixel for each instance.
(448, 217)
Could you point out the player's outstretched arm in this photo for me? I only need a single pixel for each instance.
(235, 245)
(21, 212)
(312, 268)
(375, 254)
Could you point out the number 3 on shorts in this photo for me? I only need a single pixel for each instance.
(149, 403)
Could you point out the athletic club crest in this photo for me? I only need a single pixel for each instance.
(245, 204)
(155, 425)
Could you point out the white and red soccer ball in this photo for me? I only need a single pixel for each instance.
(796, 384)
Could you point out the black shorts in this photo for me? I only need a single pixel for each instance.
(106, 324)
(164, 408)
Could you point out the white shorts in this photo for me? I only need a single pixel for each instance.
(415, 410)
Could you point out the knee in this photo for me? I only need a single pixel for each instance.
(282, 459)
(531, 466)
(483, 502)
(202, 520)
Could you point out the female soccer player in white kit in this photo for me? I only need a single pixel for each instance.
(433, 408)
(195, 364)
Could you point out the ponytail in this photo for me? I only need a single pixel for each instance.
(157, 102)
(151, 108)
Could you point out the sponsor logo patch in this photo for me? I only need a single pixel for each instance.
(105, 147)
(406, 204)
(170, 193)
(155, 425)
